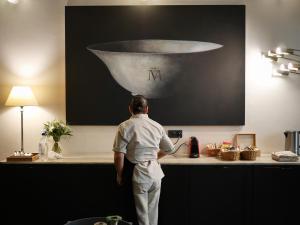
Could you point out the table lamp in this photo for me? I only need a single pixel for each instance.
(21, 96)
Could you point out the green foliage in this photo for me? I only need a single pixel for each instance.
(56, 129)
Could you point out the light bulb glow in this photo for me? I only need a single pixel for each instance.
(278, 50)
(292, 67)
(13, 1)
(283, 67)
(274, 54)
(281, 52)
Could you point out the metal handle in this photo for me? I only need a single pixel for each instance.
(272, 167)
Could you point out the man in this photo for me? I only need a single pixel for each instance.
(142, 142)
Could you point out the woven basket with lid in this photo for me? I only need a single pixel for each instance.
(248, 155)
(212, 152)
(229, 155)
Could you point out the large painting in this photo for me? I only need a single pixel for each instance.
(189, 61)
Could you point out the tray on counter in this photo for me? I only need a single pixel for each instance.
(285, 158)
(22, 158)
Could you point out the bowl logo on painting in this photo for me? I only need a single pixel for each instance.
(154, 73)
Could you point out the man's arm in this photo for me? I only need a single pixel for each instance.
(161, 154)
(120, 150)
(119, 165)
(166, 146)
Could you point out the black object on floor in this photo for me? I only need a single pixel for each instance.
(93, 220)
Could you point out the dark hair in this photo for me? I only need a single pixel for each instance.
(138, 104)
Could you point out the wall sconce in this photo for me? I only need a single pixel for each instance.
(287, 69)
(293, 67)
(21, 96)
(270, 57)
(290, 58)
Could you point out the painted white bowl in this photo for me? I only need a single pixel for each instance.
(148, 67)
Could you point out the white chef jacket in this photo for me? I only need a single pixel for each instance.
(140, 138)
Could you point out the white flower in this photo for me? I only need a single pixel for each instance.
(51, 128)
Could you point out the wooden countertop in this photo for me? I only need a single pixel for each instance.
(107, 158)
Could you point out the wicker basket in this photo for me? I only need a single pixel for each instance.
(212, 152)
(229, 155)
(258, 152)
(248, 155)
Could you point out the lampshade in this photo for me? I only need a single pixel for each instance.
(21, 96)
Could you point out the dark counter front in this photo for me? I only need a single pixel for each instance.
(52, 194)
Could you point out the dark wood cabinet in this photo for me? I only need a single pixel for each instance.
(218, 195)
(276, 193)
(174, 197)
(52, 194)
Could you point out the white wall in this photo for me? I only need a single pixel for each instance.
(32, 53)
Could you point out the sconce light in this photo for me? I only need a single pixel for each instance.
(21, 96)
(287, 51)
(270, 57)
(294, 67)
(290, 58)
(287, 69)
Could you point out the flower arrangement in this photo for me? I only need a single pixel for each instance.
(56, 129)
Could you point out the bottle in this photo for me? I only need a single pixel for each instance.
(194, 148)
(43, 147)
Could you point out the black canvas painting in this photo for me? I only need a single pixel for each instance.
(189, 61)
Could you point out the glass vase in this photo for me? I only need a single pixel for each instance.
(56, 151)
(56, 147)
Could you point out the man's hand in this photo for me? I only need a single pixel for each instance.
(119, 165)
(119, 180)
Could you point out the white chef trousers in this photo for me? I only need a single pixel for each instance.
(146, 197)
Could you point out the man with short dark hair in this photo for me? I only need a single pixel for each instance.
(142, 142)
